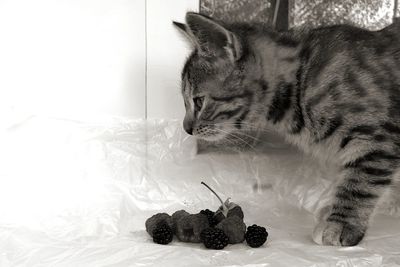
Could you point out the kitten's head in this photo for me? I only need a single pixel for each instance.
(214, 87)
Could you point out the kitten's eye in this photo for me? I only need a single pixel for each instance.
(198, 103)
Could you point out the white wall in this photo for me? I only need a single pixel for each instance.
(84, 58)
(167, 51)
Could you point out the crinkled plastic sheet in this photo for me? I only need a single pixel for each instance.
(78, 194)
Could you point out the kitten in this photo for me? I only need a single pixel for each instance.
(333, 91)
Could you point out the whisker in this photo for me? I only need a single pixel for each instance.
(244, 135)
(249, 136)
(237, 137)
(250, 126)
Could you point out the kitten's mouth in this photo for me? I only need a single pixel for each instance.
(211, 136)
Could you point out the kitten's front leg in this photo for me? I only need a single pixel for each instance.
(364, 181)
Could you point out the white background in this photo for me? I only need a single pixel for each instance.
(167, 51)
(87, 58)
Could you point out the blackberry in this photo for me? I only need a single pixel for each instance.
(256, 236)
(214, 238)
(155, 220)
(210, 216)
(162, 234)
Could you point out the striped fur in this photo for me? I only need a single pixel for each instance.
(333, 91)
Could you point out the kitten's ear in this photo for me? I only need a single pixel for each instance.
(213, 39)
(180, 26)
(185, 31)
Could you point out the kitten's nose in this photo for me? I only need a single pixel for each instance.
(189, 129)
(188, 126)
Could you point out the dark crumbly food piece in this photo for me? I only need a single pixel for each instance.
(210, 216)
(235, 211)
(162, 234)
(214, 238)
(176, 216)
(234, 228)
(189, 227)
(256, 236)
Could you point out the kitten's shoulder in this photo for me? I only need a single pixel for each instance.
(346, 32)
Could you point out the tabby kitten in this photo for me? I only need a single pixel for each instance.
(333, 91)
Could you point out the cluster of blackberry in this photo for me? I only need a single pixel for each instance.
(210, 216)
(256, 236)
(214, 229)
(162, 234)
(214, 238)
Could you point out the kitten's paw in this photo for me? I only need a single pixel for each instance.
(332, 233)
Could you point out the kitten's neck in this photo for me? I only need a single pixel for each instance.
(278, 58)
(279, 63)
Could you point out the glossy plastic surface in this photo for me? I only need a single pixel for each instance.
(78, 194)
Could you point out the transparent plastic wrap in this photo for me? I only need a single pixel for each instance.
(78, 194)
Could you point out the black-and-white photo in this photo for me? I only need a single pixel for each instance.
(199, 133)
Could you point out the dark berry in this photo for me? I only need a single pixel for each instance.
(214, 238)
(162, 234)
(210, 216)
(256, 236)
(155, 220)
